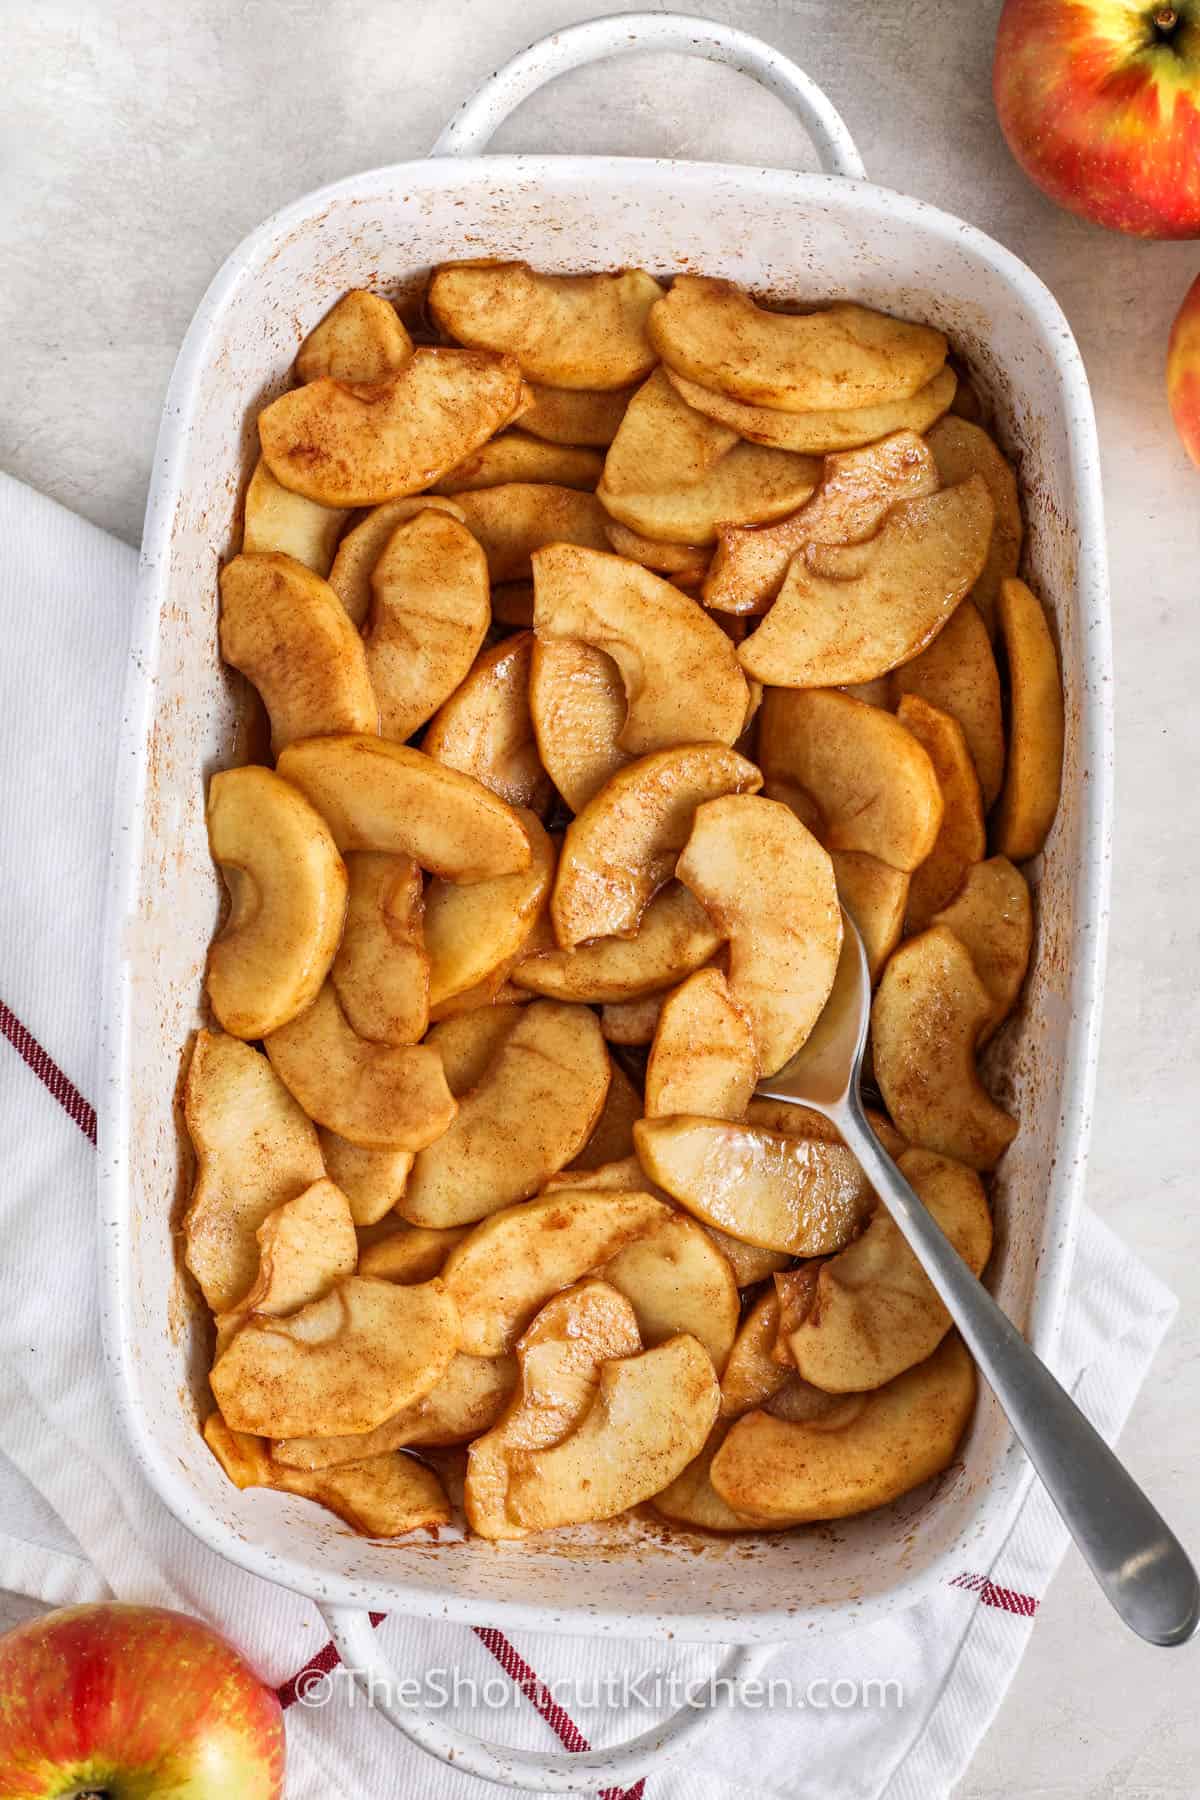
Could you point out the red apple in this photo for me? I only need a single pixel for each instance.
(129, 1702)
(1183, 371)
(1100, 103)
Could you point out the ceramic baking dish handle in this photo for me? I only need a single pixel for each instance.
(473, 125)
(539, 1771)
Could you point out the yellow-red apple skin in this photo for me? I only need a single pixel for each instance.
(1183, 371)
(1104, 118)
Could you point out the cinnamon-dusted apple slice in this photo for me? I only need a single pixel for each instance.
(569, 331)
(676, 936)
(344, 1363)
(559, 1361)
(532, 1112)
(255, 1150)
(304, 1246)
(869, 1449)
(819, 433)
(677, 1280)
(929, 1013)
(430, 611)
(663, 444)
(515, 456)
(577, 705)
(575, 415)
(622, 848)
(693, 1502)
(377, 795)
(857, 490)
(992, 916)
(752, 1374)
(287, 887)
(958, 675)
(381, 971)
(682, 681)
(961, 839)
(878, 604)
(650, 1417)
(631, 1021)
(656, 553)
(1033, 778)
(470, 1042)
(873, 782)
(276, 519)
(372, 1180)
(466, 1401)
(410, 1253)
(379, 1496)
(768, 887)
(611, 1137)
(797, 1195)
(846, 355)
(962, 449)
(472, 928)
(875, 895)
(873, 1312)
(704, 1058)
(361, 339)
(361, 548)
(485, 729)
(286, 631)
(381, 1096)
(360, 444)
(513, 1262)
(514, 521)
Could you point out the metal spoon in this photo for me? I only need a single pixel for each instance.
(1136, 1558)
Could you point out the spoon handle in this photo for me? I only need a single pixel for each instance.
(1138, 1561)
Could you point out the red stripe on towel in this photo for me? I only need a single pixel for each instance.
(48, 1072)
(1006, 1599)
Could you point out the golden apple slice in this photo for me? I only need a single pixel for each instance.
(559, 1362)
(1029, 801)
(568, 331)
(631, 1021)
(577, 705)
(514, 521)
(372, 1180)
(676, 936)
(795, 1290)
(751, 1263)
(677, 1280)
(287, 632)
(856, 492)
(897, 593)
(873, 783)
(930, 1011)
(663, 445)
(846, 355)
(466, 1401)
(470, 1042)
(752, 1375)
(304, 1246)
(873, 1312)
(958, 675)
(797, 1195)
(666, 559)
(871, 1449)
(410, 1253)
(704, 1059)
(381, 971)
(961, 838)
(514, 1261)
(693, 1502)
(287, 887)
(276, 519)
(255, 1150)
(472, 928)
(361, 548)
(381, 1096)
(875, 895)
(682, 681)
(611, 1138)
(575, 415)
(484, 729)
(768, 887)
(961, 450)
(363, 443)
(622, 848)
(360, 339)
(515, 456)
(651, 1415)
(532, 1112)
(992, 916)
(431, 608)
(344, 1363)
(819, 433)
(378, 795)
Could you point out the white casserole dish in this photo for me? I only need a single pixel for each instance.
(796, 237)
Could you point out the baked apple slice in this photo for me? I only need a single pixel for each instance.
(304, 1246)
(875, 895)
(676, 936)
(469, 1043)
(961, 839)
(611, 1137)
(575, 415)
(516, 456)
(485, 729)
(1033, 778)
(683, 560)
(360, 339)
(752, 1374)
(513, 521)
(410, 1253)
(287, 887)
(992, 916)
(703, 1059)
(568, 331)
(631, 1021)
(472, 928)
(819, 433)
(466, 1401)
(677, 1280)
(962, 449)
(381, 971)
(363, 545)
(287, 632)
(958, 675)
(577, 705)
(372, 1180)
(693, 1502)
(275, 519)
(431, 607)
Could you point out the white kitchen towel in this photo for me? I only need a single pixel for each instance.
(77, 1520)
